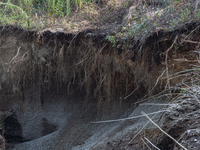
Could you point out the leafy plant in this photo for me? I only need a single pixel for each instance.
(185, 15)
(26, 5)
(11, 6)
(68, 7)
(173, 23)
(112, 39)
(12, 13)
(197, 14)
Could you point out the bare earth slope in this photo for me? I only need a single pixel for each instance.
(56, 86)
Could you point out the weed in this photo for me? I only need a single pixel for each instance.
(173, 23)
(185, 15)
(10, 7)
(68, 7)
(119, 34)
(20, 16)
(23, 11)
(26, 5)
(124, 29)
(197, 14)
(112, 39)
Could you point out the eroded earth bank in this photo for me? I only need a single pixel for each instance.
(55, 88)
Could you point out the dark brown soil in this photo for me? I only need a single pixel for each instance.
(88, 62)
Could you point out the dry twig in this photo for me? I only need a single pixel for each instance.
(106, 121)
(151, 143)
(145, 144)
(163, 131)
(140, 131)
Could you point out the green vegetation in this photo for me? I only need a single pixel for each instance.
(168, 16)
(26, 12)
(173, 23)
(39, 14)
(185, 15)
(197, 14)
(7, 11)
(112, 39)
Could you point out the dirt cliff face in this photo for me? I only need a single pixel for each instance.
(87, 60)
(46, 75)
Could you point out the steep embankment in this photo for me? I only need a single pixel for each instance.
(53, 85)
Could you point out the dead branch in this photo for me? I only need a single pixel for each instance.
(168, 106)
(189, 41)
(185, 60)
(129, 118)
(190, 34)
(141, 130)
(163, 131)
(151, 143)
(145, 144)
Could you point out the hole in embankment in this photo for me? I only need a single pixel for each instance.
(63, 117)
(13, 130)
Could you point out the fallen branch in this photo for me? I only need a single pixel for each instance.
(151, 143)
(156, 104)
(187, 37)
(140, 130)
(163, 131)
(189, 41)
(168, 105)
(185, 60)
(129, 118)
(145, 143)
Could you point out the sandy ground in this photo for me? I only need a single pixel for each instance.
(73, 130)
